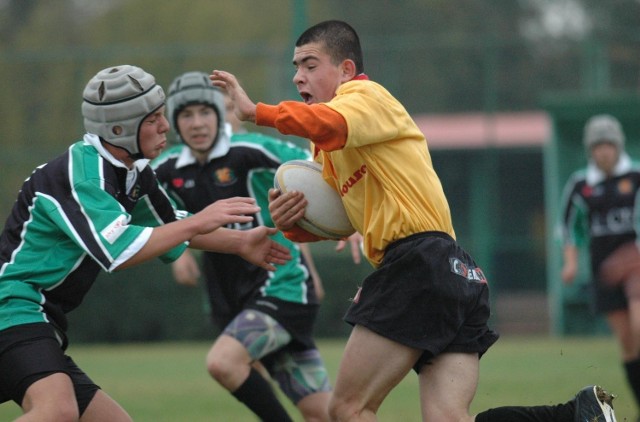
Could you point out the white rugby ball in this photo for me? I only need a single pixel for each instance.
(325, 215)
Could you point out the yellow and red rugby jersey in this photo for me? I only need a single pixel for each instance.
(375, 156)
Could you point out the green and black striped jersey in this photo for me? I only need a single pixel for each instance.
(240, 165)
(79, 213)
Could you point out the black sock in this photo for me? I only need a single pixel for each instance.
(256, 393)
(560, 412)
(632, 369)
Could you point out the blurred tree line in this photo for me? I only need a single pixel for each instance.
(436, 56)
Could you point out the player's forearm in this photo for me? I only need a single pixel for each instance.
(163, 238)
(325, 127)
(570, 254)
(221, 240)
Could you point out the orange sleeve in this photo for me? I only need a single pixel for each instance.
(323, 126)
(300, 235)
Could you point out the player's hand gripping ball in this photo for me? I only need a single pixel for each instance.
(325, 215)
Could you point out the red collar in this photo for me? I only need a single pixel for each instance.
(360, 77)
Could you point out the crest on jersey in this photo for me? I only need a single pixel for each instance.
(625, 186)
(224, 176)
(134, 194)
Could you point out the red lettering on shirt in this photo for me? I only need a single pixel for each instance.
(352, 180)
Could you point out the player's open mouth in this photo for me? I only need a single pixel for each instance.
(307, 98)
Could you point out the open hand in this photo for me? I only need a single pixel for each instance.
(259, 249)
(226, 211)
(243, 108)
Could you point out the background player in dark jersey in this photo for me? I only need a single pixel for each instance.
(425, 307)
(601, 209)
(97, 206)
(264, 316)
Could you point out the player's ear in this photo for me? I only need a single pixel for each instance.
(348, 69)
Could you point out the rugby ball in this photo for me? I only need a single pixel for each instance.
(325, 215)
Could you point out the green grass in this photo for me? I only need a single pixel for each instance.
(168, 382)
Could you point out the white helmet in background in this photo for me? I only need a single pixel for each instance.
(116, 101)
(603, 128)
(194, 88)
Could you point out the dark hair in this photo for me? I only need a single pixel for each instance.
(340, 40)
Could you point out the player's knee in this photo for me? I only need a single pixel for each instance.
(217, 367)
(224, 368)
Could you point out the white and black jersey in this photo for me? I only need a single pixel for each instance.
(600, 211)
(243, 165)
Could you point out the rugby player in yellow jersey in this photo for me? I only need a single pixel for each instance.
(426, 305)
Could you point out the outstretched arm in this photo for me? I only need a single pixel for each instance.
(323, 126)
(254, 245)
(167, 236)
(203, 231)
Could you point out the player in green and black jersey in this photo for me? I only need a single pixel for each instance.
(97, 206)
(264, 316)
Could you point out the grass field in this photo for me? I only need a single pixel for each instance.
(168, 382)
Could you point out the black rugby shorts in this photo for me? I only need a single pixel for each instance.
(428, 294)
(607, 298)
(31, 352)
